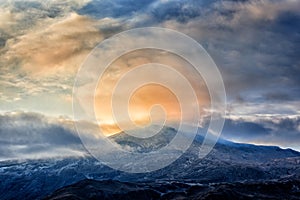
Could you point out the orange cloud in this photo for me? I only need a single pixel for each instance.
(60, 46)
(146, 96)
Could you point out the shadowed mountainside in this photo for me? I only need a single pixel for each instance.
(91, 189)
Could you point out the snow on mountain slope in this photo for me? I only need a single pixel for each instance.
(228, 162)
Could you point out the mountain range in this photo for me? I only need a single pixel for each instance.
(229, 169)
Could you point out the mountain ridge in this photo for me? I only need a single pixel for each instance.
(227, 163)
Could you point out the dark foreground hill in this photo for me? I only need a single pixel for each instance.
(112, 189)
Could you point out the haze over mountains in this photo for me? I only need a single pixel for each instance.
(228, 163)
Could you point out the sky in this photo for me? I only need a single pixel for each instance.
(254, 43)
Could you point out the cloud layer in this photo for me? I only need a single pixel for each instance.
(282, 131)
(34, 136)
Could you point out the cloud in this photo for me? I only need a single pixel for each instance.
(254, 44)
(63, 44)
(277, 96)
(43, 45)
(115, 9)
(278, 130)
(17, 17)
(31, 135)
(6, 18)
(259, 10)
(243, 130)
(145, 97)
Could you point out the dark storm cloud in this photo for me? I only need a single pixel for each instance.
(291, 125)
(30, 135)
(242, 129)
(260, 56)
(277, 96)
(254, 43)
(282, 131)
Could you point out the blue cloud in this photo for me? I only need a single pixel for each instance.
(115, 9)
(282, 131)
(31, 135)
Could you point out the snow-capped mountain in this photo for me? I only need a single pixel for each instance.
(228, 162)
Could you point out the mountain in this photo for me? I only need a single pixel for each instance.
(144, 145)
(227, 165)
